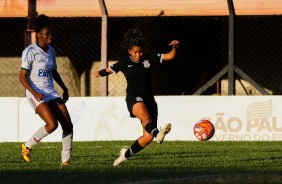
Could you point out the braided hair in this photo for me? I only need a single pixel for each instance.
(133, 37)
(42, 21)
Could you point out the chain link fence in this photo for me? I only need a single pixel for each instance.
(203, 52)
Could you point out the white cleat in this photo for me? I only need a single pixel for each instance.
(121, 157)
(162, 133)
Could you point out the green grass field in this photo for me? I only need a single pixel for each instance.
(174, 162)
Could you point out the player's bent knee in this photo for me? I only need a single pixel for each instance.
(51, 127)
(148, 137)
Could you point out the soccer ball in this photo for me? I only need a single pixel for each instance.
(204, 130)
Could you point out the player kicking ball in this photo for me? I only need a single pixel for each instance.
(141, 104)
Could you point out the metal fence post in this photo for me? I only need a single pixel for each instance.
(30, 35)
(231, 79)
(104, 47)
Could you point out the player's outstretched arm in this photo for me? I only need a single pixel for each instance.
(102, 73)
(170, 55)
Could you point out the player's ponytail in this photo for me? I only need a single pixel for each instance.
(133, 37)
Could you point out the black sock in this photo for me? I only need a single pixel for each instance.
(151, 129)
(135, 148)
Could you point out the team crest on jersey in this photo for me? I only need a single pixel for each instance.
(146, 63)
(139, 99)
(40, 59)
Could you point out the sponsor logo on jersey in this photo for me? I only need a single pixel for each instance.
(146, 63)
(43, 73)
(42, 60)
(139, 99)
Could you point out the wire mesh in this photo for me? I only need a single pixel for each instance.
(203, 52)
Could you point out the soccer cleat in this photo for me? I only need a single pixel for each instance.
(161, 135)
(121, 157)
(26, 153)
(65, 163)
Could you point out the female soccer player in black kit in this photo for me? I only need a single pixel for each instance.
(140, 99)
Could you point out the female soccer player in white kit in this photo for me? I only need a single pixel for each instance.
(38, 69)
(137, 68)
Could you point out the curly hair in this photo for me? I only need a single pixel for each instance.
(42, 21)
(133, 37)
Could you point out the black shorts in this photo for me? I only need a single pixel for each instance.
(148, 101)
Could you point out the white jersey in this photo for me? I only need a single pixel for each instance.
(39, 65)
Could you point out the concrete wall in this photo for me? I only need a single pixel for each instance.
(11, 87)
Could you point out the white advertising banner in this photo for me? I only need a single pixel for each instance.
(94, 118)
(236, 118)
(9, 109)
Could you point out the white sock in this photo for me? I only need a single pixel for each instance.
(67, 147)
(40, 134)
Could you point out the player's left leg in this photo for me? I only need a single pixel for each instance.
(140, 111)
(61, 112)
(162, 133)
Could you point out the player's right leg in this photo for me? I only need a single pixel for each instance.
(26, 153)
(46, 114)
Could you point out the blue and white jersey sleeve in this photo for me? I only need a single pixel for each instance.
(27, 58)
